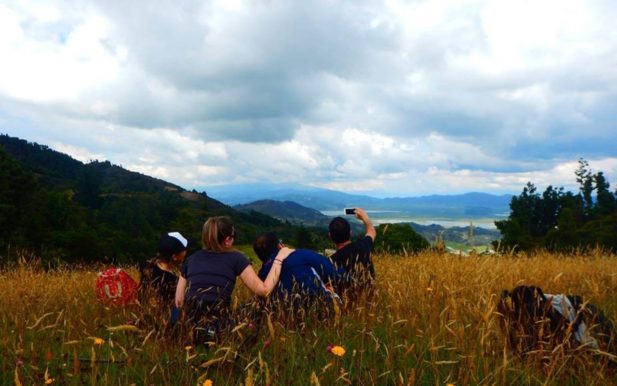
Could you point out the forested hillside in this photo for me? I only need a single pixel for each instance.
(54, 206)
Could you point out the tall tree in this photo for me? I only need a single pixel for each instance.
(584, 179)
(605, 199)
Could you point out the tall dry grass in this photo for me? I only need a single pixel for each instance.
(430, 321)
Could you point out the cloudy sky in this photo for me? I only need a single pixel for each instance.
(389, 98)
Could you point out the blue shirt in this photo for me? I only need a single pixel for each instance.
(303, 271)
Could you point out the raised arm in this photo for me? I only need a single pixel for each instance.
(263, 288)
(180, 292)
(370, 229)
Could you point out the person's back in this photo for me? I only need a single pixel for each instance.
(355, 262)
(157, 283)
(304, 272)
(211, 278)
(305, 275)
(353, 258)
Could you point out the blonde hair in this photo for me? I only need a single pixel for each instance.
(214, 233)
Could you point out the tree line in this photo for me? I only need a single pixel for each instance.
(560, 220)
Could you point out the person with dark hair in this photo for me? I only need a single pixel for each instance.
(157, 284)
(208, 278)
(353, 258)
(306, 276)
(532, 320)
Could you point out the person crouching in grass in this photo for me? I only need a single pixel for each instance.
(157, 284)
(535, 322)
(306, 279)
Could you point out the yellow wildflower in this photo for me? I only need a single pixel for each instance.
(338, 351)
(208, 382)
(98, 341)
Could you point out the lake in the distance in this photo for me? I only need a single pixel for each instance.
(381, 216)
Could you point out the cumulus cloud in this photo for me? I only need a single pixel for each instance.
(401, 97)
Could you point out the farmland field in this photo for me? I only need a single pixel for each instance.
(431, 321)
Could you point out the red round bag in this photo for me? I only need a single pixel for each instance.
(116, 287)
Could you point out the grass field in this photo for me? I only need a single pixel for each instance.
(431, 322)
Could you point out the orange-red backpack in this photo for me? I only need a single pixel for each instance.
(116, 287)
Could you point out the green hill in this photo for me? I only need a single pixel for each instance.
(54, 206)
(287, 210)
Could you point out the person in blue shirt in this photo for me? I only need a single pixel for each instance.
(306, 276)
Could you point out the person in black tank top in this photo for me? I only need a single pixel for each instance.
(208, 278)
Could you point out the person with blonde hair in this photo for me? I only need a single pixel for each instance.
(208, 276)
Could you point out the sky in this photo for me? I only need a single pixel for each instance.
(389, 98)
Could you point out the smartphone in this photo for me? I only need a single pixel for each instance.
(350, 211)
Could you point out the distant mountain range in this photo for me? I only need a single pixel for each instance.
(468, 205)
(298, 214)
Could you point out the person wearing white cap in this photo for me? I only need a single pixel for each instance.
(157, 280)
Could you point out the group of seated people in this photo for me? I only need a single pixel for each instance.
(303, 279)
(296, 277)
